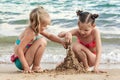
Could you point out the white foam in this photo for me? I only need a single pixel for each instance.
(112, 57)
(109, 58)
(5, 59)
(55, 29)
(110, 30)
(10, 30)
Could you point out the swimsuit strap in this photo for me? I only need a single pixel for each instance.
(17, 41)
(36, 37)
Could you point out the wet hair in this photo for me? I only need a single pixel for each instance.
(37, 16)
(86, 17)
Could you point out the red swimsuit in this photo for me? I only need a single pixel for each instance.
(89, 45)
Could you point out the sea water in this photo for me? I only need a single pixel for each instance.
(14, 15)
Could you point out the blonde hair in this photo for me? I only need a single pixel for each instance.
(37, 16)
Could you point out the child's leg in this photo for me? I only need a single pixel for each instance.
(34, 53)
(90, 56)
(82, 57)
(38, 55)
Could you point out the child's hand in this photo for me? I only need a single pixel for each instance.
(27, 70)
(68, 38)
(61, 34)
(64, 44)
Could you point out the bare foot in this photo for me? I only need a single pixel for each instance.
(88, 69)
(37, 69)
(27, 71)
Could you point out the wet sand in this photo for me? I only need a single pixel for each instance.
(10, 72)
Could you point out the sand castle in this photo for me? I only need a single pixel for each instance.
(70, 62)
(69, 65)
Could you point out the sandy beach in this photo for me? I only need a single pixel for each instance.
(10, 72)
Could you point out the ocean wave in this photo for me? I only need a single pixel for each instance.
(14, 19)
(109, 58)
(111, 39)
(22, 21)
(112, 57)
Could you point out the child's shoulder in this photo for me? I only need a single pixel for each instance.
(75, 30)
(29, 31)
(95, 30)
(77, 33)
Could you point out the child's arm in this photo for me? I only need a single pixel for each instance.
(61, 34)
(51, 37)
(68, 35)
(98, 50)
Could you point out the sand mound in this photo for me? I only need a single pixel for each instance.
(70, 62)
(69, 65)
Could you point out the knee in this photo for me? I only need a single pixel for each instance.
(92, 64)
(43, 41)
(76, 47)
